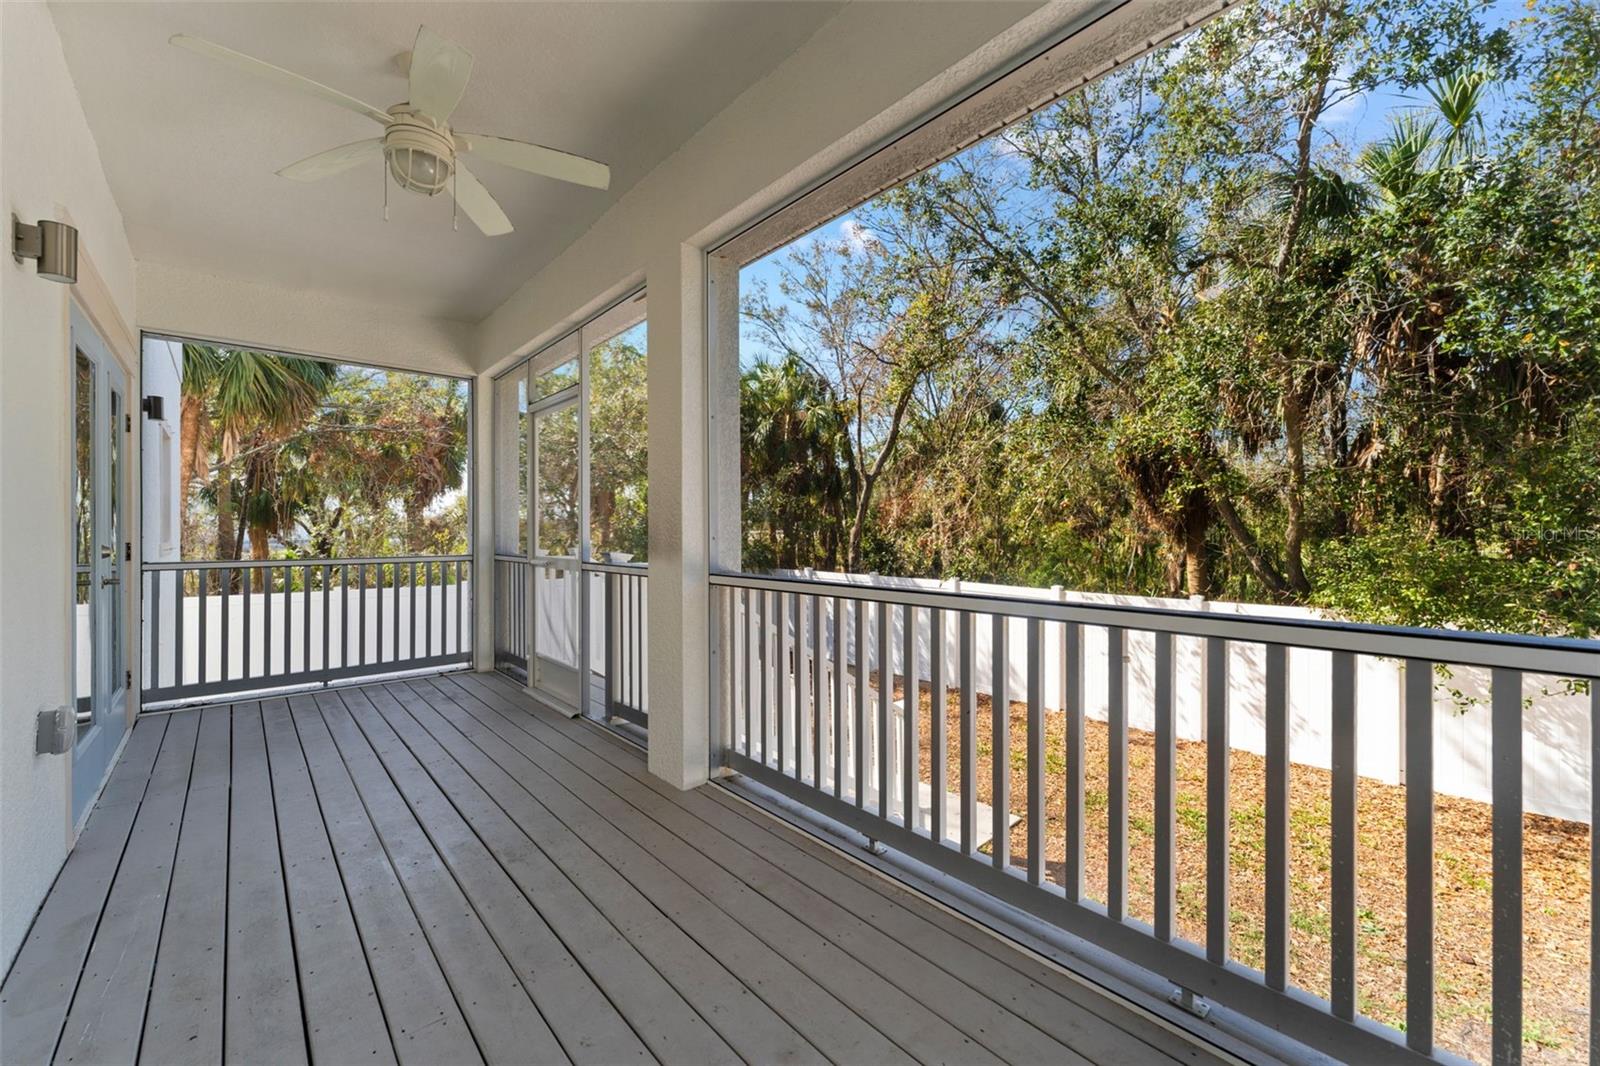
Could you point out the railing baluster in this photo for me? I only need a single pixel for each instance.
(1036, 812)
(1217, 827)
(461, 595)
(764, 654)
(361, 591)
(1166, 788)
(819, 695)
(1072, 701)
(327, 663)
(1419, 854)
(969, 733)
(1277, 816)
(394, 590)
(937, 725)
(746, 664)
(909, 725)
(178, 608)
(836, 719)
(1000, 743)
(785, 602)
(1116, 774)
(266, 622)
(288, 622)
(858, 739)
(885, 696)
(1505, 739)
(411, 600)
(1594, 872)
(205, 623)
(344, 615)
(249, 612)
(1342, 832)
(305, 613)
(155, 628)
(226, 586)
(427, 614)
(613, 632)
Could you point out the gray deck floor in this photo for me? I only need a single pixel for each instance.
(435, 871)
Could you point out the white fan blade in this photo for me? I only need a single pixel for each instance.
(536, 159)
(333, 161)
(287, 78)
(439, 73)
(476, 203)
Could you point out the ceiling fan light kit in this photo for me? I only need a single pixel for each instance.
(421, 155)
(418, 148)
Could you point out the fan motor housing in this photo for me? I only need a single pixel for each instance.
(421, 152)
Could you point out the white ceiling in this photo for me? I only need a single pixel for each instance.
(190, 147)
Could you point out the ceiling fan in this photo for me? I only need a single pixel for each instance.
(421, 150)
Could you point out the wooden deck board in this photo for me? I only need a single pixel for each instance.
(107, 1016)
(670, 921)
(1067, 1011)
(263, 1021)
(549, 922)
(425, 1021)
(435, 871)
(184, 1016)
(344, 1020)
(34, 1006)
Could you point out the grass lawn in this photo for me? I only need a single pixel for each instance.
(1556, 880)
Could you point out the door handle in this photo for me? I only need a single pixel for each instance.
(113, 580)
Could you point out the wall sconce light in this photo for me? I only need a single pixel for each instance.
(53, 244)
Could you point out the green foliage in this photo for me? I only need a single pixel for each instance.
(1179, 333)
(309, 458)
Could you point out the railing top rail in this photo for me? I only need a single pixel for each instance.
(593, 566)
(633, 569)
(1560, 656)
(258, 564)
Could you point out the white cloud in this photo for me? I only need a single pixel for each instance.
(857, 236)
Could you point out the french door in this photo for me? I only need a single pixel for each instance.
(571, 517)
(554, 665)
(101, 431)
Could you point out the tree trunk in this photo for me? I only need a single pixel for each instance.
(1294, 435)
(227, 546)
(1196, 552)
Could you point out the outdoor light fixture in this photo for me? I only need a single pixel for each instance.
(53, 244)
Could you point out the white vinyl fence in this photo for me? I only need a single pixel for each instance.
(1556, 765)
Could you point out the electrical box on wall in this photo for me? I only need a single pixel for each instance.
(56, 730)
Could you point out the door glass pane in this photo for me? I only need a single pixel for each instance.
(556, 481)
(113, 535)
(83, 530)
(618, 434)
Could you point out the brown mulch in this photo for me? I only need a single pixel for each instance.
(1556, 879)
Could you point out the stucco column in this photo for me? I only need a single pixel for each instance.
(482, 497)
(681, 733)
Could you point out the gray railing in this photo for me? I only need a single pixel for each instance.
(624, 680)
(813, 680)
(512, 576)
(616, 631)
(246, 625)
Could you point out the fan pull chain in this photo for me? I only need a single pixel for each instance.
(455, 199)
(386, 191)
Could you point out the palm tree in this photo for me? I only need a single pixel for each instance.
(244, 404)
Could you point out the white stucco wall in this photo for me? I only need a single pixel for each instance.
(50, 168)
(160, 450)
